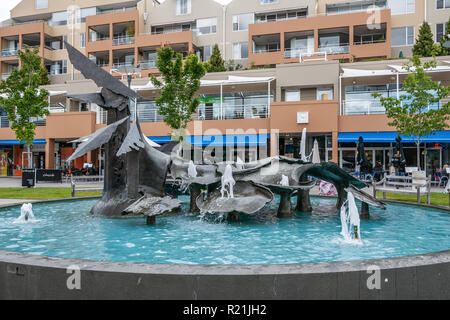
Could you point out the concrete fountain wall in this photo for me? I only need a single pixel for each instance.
(25, 276)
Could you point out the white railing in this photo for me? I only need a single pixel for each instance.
(335, 49)
(5, 76)
(4, 122)
(247, 111)
(295, 53)
(363, 107)
(10, 52)
(313, 56)
(146, 65)
(117, 41)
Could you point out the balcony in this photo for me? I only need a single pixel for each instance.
(10, 52)
(117, 41)
(148, 64)
(344, 36)
(335, 49)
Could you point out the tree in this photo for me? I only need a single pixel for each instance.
(424, 46)
(215, 63)
(178, 86)
(413, 113)
(445, 51)
(21, 97)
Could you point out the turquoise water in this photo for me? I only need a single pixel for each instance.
(65, 229)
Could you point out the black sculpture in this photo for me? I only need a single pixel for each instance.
(361, 158)
(135, 172)
(398, 158)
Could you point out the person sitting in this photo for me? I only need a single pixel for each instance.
(378, 172)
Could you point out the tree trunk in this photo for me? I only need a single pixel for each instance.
(418, 156)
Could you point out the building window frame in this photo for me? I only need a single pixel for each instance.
(266, 2)
(237, 23)
(409, 6)
(41, 4)
(237, 47)
(212, 27)
(183, 7)
(407, 37)
(442, 4)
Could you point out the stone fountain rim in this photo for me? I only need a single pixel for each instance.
(255, 269)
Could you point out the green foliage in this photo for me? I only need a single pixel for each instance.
(178, 86)
(215, 63)
(23, 100)
(231, 65)
(445, 38)
(409, 112)
(424, 46)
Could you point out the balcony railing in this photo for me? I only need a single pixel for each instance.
(93, 38)
(4, 122)
(335, 49)
(248, 111)
(295, 53)
(123, 65)
(363, 107)
(117, 41)
(368, 107)
(267, 50)
(149, 64)
(369, 42)
(5, 76)
(10, 52)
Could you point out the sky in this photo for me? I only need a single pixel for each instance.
(6, 5)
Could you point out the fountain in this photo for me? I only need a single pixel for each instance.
(136, 173)
(350, 220)
(26, 214)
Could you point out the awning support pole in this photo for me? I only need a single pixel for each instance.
(268, 98)
(221, 100)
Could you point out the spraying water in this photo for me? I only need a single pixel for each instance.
(239, 164)
(350, 220)
(284, 181)
(192, 171)
(26, 214)
(228, 181)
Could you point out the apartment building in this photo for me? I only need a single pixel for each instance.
(306, 64)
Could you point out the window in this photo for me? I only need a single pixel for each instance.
(268, 1)
(82, 39)
(59, 18)
(41, 4)
(206, 26)
(241, 21)
(207, 52)
(183, 7)
(240, 50)
(401, 6)
(442, 4)
(64, 40)
(324, 94)
(403, 36)
(292, 95)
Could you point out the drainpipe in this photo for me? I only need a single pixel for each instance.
(224, 31)
(425, 11)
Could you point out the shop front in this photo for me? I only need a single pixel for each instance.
(434, 150)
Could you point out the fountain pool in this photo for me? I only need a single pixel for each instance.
(65, 229)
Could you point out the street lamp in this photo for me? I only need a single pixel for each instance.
(224, 4)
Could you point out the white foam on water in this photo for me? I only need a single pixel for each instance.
(26, 214)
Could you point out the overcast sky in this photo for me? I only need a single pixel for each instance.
(6, 5)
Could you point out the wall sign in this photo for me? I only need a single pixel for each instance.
(302, 117)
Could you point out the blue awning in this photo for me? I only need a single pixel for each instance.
(221, 140)
(389, 137)
(14, 142)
